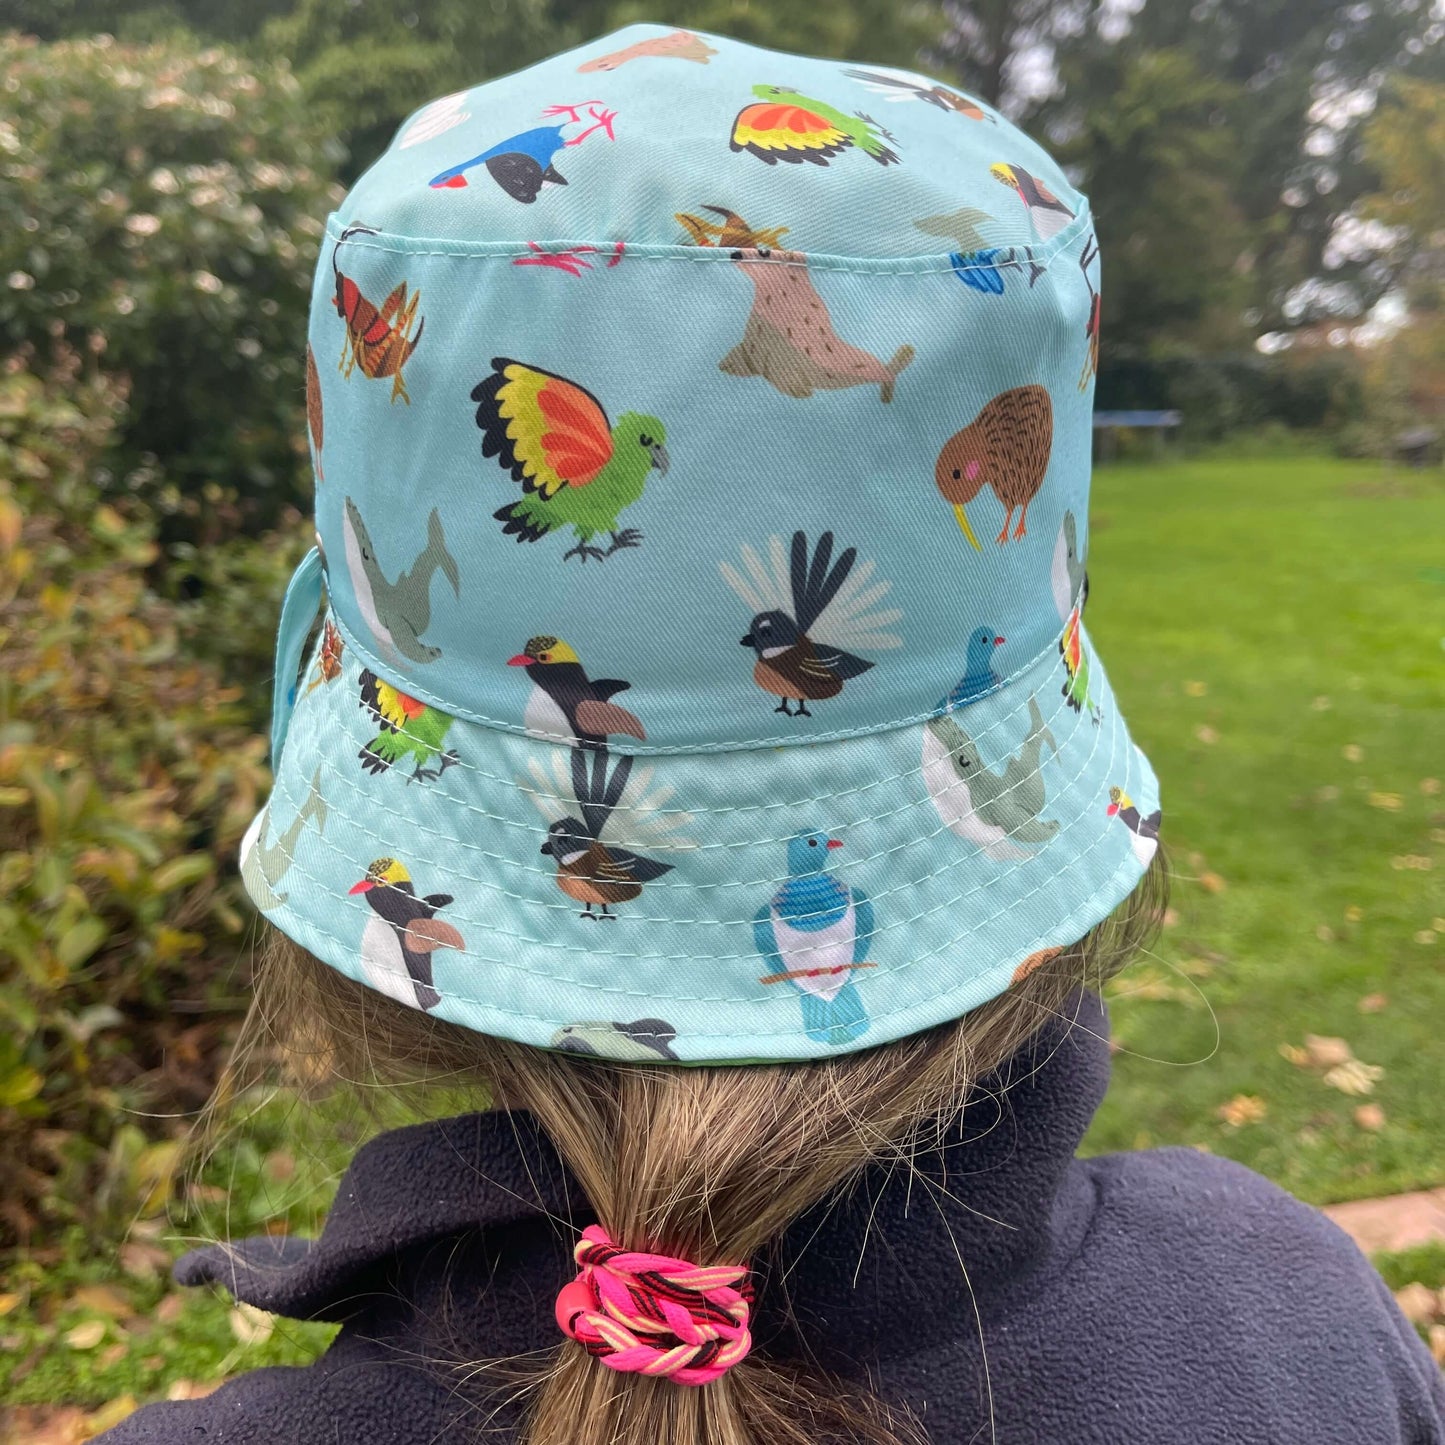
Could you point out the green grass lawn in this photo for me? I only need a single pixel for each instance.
(1274, 633)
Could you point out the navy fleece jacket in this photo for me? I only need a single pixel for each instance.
(1155, 1297)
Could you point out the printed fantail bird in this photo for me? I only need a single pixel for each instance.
(594, 873)
(576, 468)
(896, 86)
(402, 934)
(1006, 447)
(566, 703)
(522, 164)
(809, 612)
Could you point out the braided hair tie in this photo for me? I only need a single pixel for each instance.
(651, 1314)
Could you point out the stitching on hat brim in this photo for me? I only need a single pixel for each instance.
(1042, 254)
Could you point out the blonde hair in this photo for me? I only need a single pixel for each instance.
(710, 1163)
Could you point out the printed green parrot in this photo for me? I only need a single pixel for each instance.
(785, 126)
(409, 729)
(576, 468)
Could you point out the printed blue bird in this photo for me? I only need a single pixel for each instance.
(522, 164)
(979, 677)
(816, 932)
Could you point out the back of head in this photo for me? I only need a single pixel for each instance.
(684, 756)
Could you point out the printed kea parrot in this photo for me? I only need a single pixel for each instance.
(785, 126)
(576, 468)
(409, 729)
(816, 931)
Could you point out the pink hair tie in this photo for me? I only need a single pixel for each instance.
(651, 1314)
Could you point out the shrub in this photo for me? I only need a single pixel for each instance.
(160, 214)
(128, 772)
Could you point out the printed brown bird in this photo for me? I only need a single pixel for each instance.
(680, 45)
(1006, 447)
(808, 615)
(566, 703)
(789, 338)
(313, 410)
(593, 873)
(896, 85)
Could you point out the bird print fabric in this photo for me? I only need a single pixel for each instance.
(627, 375)
(816, 933)
(810, 611)
(576, 468)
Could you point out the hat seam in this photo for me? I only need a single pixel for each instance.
(433, 699)
(773, 881)
(933, 263)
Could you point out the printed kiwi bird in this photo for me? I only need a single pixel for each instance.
(1048, 215)
(398, 612)
(1006, 447)
(592, 872)
(816, 932)
(576, 468)
(680, 45)
(1143, 832)
(522, 164)
(789, 338)
(409, 728)
(566, 703)
(1070, 584)
(402, 934)
(895, 86)
(809, 611)
(263, 864)
(996, 812)
(783, 125)
(979, 677)
(642, 1041)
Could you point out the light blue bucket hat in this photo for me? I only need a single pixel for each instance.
(702, 447)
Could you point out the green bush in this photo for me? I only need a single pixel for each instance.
(160, 215)
(129, 768)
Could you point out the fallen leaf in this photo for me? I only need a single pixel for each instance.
(169, 1310)
(1354, 1077)
(1386, 802)
(8, 1302)
(1241, 1110)
(1437, 1344)
(1326, 1051)
(1430, 786)
(1425, 935)
(1354, 913)
(250, 1325)
(1206, 734)
(102, 1299)
(1353, 753)
(85, 1336)
(1370, 1117)
(143, 1259)
(1196, 689)
(153, 1362)
(1418, 1303)
(1412, 863)
(1438, 924)
(190, 1389)
(280, 1164)
(1321, 704)
(1325, 933)
(1171, 918)
(112, 1354)
(1211, 882)
(1373, 1003)
(111, 1413)
(1299, 1057)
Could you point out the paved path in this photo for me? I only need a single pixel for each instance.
(1396, 1222)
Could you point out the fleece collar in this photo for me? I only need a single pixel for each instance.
(871, 1273)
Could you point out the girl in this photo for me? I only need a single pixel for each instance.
(687, 766)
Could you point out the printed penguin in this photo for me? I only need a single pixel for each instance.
(642, 1041)
(979, 677)
(789, 338)
(808, 612)
(398, 612)
(576, 468)
(409, 729)
(816, 932)
(1006, 447)
(566, 703)
(522, 164)
(402, 934)
(593, 873)
(783, 125)
(996, 812)
(1143, 832)
(1070, 583)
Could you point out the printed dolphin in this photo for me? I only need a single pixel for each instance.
(398, 612)
(998, 812)
(264, 865)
